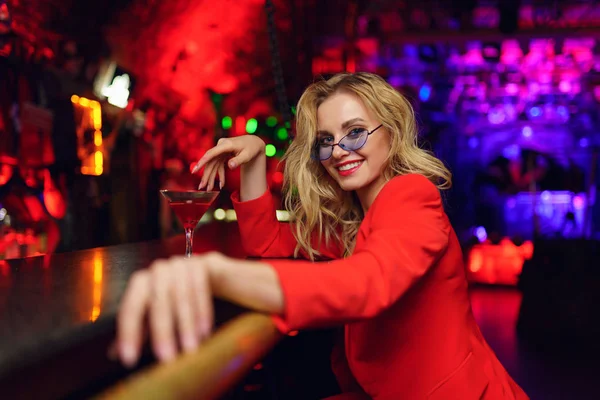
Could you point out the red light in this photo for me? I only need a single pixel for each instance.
(278, 178)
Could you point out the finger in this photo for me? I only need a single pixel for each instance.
(161, 315)
(224, 146)
(221, 175)
(207, 171)
(212, 176)
(203, 299)
(130, 318)
(183, 299)
(241, 158)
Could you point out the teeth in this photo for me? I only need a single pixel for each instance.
(349, 166)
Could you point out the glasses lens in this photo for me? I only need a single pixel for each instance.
(354, 140)
(325, 152)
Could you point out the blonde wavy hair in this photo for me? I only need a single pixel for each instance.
(315, 200)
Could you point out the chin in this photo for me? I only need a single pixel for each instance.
(349, 185)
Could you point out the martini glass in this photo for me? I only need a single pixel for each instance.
(189, 206)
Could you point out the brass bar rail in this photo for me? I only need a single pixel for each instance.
(217, 365)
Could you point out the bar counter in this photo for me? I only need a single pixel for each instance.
(57, 316)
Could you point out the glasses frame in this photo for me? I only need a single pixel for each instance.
(316, 146)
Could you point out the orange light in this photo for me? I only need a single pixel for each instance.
(475, 260)
(97, 117)
(501, 263)
(75, 99)
(83, 102)
(98, 159)
(97, 138)
(97, 288)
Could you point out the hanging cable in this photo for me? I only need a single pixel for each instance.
(280, 90)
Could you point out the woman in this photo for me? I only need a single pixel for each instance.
(361, 192)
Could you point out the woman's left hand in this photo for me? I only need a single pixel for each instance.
(176, 296)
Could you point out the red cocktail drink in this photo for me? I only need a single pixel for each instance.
(189, 206)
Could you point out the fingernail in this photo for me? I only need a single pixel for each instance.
(220, 185)
(189, 343)
(231, 164)
(195, 169)
(128, 355)
(166, 352)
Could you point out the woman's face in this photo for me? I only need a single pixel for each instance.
(361, 170)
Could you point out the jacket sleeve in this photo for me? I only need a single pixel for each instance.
(408, 234)
(261, 233)
(264, 236)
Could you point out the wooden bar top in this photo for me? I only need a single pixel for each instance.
(57, 314)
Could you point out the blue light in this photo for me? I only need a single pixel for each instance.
(562, 111)
(584, 142)
(473, 142)
(512, 152)
(425, 92)
(535, 111)
(527, 131)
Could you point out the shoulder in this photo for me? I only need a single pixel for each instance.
(411, 188)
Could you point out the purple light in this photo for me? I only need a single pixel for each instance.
(546, 196)
(527, 131)
(562, 112)
(512, 88)
(496, 116)
(584, 142)
(481, 234)
(512, 152)
(578, 202)
(473, 142)
(395, 81)
(565, 86)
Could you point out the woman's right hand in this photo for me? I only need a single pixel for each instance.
(234, 152)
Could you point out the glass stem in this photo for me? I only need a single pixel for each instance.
(189, 238)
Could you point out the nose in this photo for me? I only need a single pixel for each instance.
(338, 152)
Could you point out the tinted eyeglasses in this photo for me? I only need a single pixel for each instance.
(355, 140)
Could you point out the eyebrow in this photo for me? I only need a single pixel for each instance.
(344, 125)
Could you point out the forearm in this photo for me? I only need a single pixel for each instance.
(253, 178)
(251, 284)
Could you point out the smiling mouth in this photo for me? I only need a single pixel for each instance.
(349, 166)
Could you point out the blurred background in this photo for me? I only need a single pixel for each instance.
(104, 103)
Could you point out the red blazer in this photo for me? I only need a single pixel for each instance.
(402, 298)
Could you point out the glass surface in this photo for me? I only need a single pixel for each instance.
(189, 206)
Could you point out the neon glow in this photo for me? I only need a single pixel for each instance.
(270, 150)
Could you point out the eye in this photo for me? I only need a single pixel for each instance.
(355, 132)
(325, 141)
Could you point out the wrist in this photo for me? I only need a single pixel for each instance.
(217, 271)
(260, 161)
